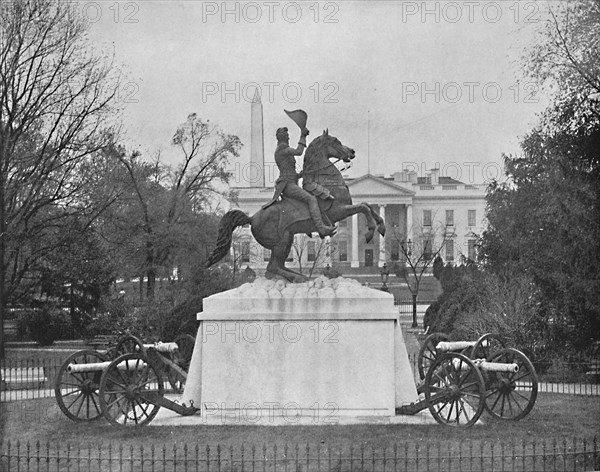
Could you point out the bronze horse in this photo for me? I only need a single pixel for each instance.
(274, 226)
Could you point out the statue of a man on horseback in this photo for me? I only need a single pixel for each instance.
(287, 183)
(302, 210)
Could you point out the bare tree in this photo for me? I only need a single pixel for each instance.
(418, 255)
(56, 111)
(318, 252)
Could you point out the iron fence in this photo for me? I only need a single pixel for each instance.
(576, 454)
(405, 309)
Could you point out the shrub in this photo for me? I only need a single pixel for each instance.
(47, 325)
(482, 302)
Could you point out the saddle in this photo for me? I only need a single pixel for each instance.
(291, 211)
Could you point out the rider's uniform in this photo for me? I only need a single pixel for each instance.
(287, 183)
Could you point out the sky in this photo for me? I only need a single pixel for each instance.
(408, 85)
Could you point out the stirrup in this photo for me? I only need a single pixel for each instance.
(326, 231)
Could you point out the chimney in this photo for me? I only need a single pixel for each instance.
(400, 176)
(434, 176)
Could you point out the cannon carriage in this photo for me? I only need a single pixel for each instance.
(125, 384)
(462, 379)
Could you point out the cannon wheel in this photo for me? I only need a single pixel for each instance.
(427, 353)
(186, 343)
(129, 345)
(511, 395)
(126, 388)
(77, 393)
(455, 390)
(486, 345)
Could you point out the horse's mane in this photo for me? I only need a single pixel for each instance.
(314, 146)
(312, 152)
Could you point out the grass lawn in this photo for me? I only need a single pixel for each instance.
(555, 416)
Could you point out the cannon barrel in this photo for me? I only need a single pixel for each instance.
(101, 366)
(449, 346)
(163, 347)
(489, 366)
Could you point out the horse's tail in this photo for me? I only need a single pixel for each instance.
(230, 221)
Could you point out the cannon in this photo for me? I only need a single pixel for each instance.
(463, 378)
(124, 385)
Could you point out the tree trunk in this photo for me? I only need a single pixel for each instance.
(414, 301)
(151, 284)
(150, 268)
(2, 268)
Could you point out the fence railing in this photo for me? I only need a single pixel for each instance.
(405, 310)
(576, 454)
(35, 378)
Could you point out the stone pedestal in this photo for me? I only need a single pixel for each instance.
(321, 350)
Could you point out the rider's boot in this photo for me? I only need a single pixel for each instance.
(315, 214)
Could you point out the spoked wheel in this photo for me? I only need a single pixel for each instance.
(511, 395)
(427, 353)
(454, 390)
(77, 392)
(486, 345)
(129, 345)
(186, 344)
(127, 389)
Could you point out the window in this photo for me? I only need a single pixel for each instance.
(472, 217)
(266, 254)
(449, 217)
(395, 252)
(449, 251)
(393, 217)
(312, 251)
(472, 249)
(427, 255)
(343, 223)
(245, 252)
(343, 251)
(426, 217)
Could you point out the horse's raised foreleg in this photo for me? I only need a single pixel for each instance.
(344, 211)
(378, 219)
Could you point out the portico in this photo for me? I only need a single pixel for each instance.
(394, 204)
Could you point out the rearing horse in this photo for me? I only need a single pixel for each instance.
(274, 226)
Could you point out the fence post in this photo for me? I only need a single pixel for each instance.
(595, 452)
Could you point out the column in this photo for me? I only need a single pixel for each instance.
(409, 222)
(382, 253)
(354, 261)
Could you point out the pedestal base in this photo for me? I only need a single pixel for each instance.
(319, 351)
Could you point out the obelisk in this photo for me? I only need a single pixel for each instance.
(256, 174)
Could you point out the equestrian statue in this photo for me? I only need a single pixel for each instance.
(322, 200)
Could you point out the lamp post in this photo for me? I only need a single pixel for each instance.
(385, 275)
